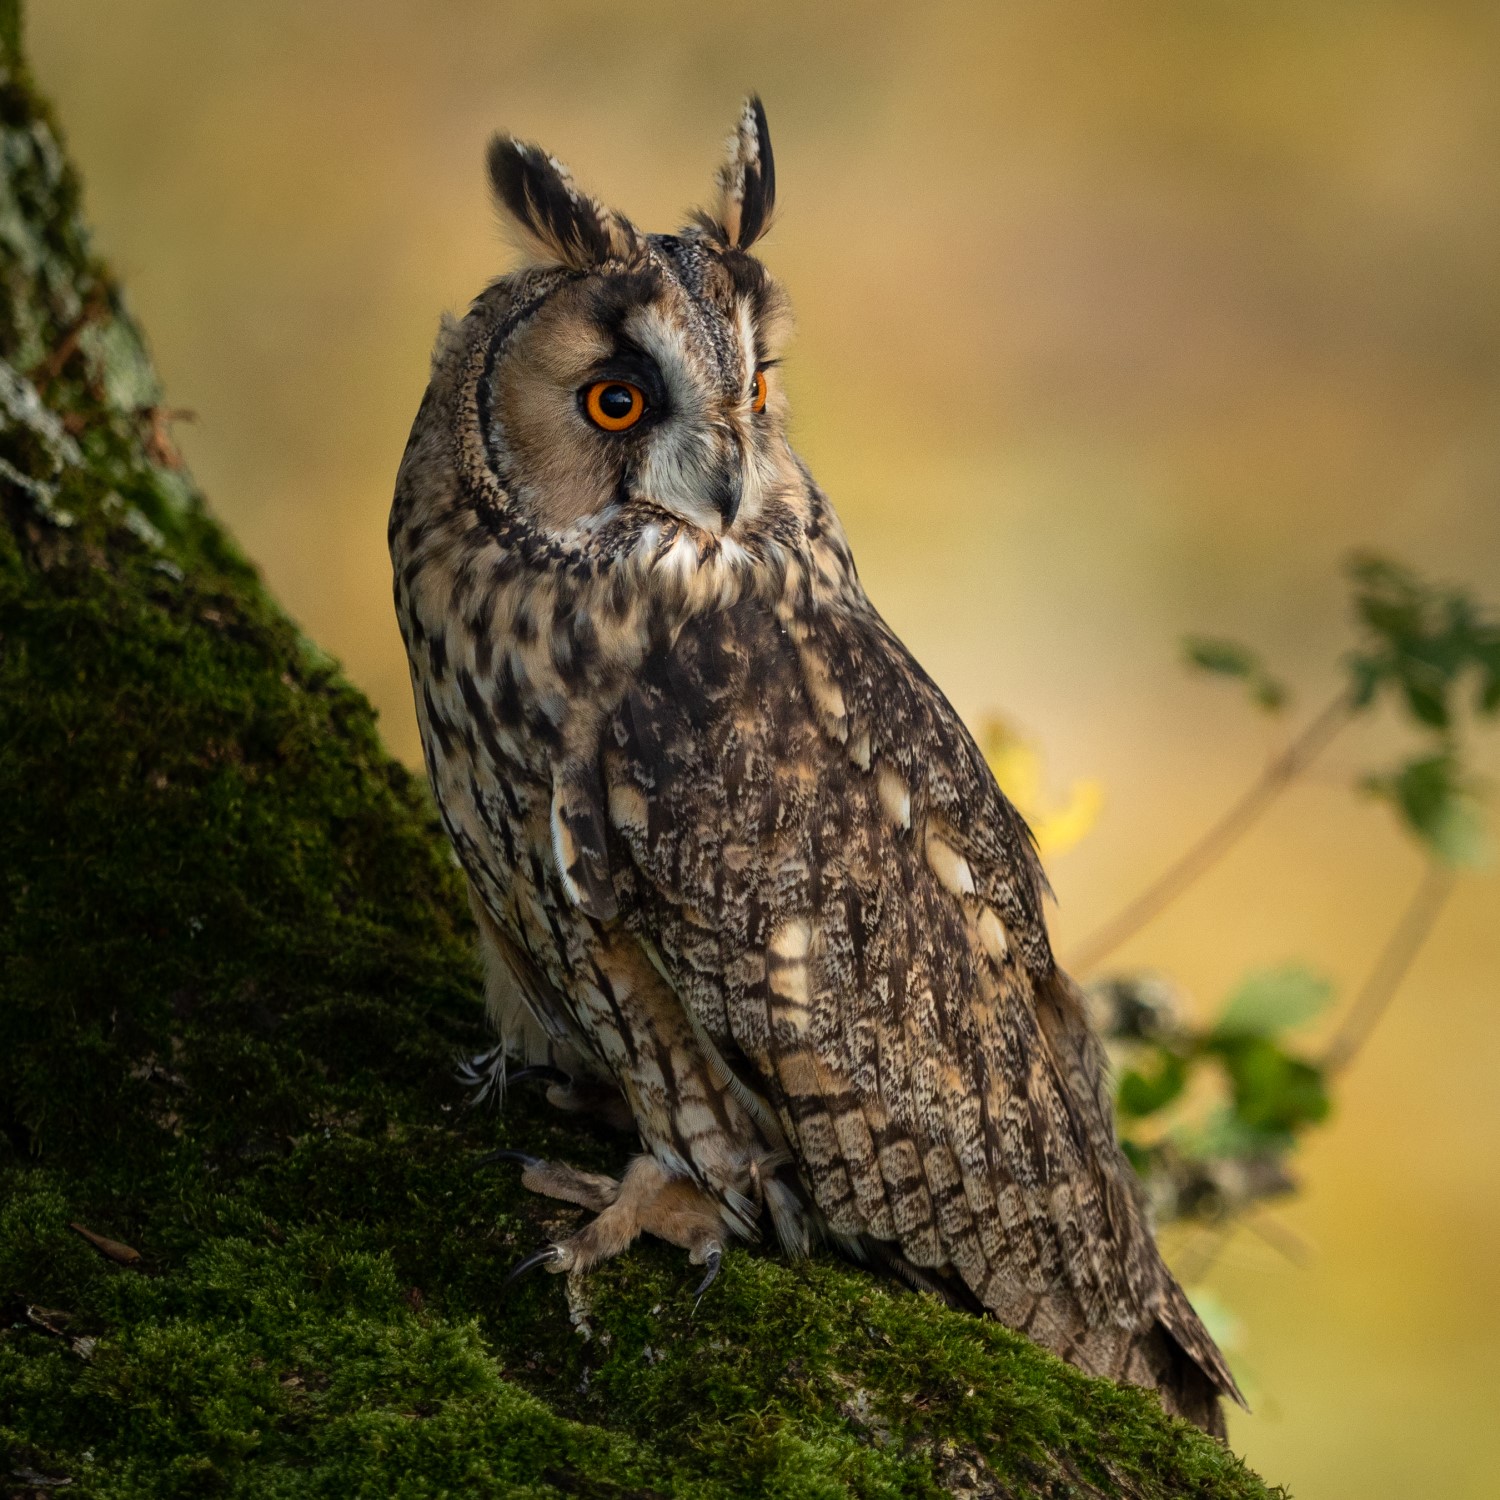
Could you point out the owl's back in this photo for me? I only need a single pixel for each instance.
(808, 837)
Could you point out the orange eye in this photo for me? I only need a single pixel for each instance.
(614, 405)
(758, 391)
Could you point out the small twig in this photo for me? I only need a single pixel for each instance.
(1395, 959)
(122, 1255)
(1197, 1259)
(1216, 842)
(160, 447)
(44, 373)
(1279, 1237)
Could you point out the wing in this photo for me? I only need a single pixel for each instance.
(844, 898)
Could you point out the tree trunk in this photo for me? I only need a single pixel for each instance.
(248, 1243)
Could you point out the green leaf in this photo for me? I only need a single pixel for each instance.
(1489, 665)
(1376, 572)
(1366, 673)
(1269, 694)
(1226, 658)
(1438, 807)
(1273, 1000)
(1223, 1136)
(1274, 1094)
(1428, 705)
(1399, 621)
(1142, 1093)
(1425, 639)
(1459, 836)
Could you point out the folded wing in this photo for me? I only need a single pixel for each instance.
(806, 833)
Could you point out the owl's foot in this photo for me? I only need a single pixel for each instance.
(555, 1179)
(646, 1200)
(488, 1076)
(578, 1095)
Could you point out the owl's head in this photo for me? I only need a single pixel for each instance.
(620, 378)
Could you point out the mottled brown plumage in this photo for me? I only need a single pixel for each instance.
(731, 851)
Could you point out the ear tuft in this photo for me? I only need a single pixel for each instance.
(747, 180)
(557, 223)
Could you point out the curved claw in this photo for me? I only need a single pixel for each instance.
(713, 1260)
(525, 1161)
(537, 1072)
(545, 1256)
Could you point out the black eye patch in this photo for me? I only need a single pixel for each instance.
(615, 297)
(634, 367)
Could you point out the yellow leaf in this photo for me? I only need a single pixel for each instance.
(1018, 769)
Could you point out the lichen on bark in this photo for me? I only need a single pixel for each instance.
(235, 973)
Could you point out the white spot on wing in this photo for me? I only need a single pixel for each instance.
(562, 850)
(992, 935)
(788, 952)
(950, 867)
(895, 796)
(627, 807)
(792, 940)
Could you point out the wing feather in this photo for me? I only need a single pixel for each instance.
(845, 900)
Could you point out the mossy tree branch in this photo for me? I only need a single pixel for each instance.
(235, 972)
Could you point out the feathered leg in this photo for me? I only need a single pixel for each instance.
(647, 1200)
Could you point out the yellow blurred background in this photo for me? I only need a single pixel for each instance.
(1117, 322)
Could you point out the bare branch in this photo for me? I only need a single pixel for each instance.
(1216, 842)
(1395, 959)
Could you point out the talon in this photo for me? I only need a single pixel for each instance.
(545, 1256)
(525, 1161)
(713, 1260)
(544, 1072)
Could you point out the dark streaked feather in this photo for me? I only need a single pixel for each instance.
(933, 1096)
(557, 220)
(746, 183)
(760, 182)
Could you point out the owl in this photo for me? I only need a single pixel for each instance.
(742, 879)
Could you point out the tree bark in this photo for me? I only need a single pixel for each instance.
(248, 1243)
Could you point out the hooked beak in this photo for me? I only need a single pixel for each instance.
(701, 478)
(726, 488)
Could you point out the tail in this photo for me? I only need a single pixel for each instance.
(1167, 1349)
(1158, 1362)
(1183, 1367)
(1199, 1373)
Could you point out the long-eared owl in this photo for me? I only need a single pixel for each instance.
(741, 876)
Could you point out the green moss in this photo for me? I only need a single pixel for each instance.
(235, 971)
